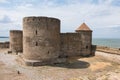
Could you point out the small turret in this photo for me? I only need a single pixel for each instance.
(83, 27)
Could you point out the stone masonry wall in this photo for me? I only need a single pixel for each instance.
(16, 42)
(71, 44)
(76, 44)
(86, 37)
(106, 49)
(4, 44)
(41, 38)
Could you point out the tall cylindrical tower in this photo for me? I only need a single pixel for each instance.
(16, 44)
(41, 39)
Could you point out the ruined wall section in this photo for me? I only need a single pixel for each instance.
(71, 44)
(16, 42)
(41, 38)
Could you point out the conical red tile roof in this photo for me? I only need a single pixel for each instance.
(83, 27)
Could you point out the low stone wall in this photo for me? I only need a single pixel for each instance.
(106, 49)
(4, 44)
(110, 57)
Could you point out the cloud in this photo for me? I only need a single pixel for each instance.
(7, 24)
(98, 14)
(115, 2)
(5, 19)
(3, 1)
(111, 32)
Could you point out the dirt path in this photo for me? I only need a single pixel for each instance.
(8, 68)
(93, 68)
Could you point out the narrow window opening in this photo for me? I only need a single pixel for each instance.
(36, 43)
(62, 43)
(48, 52)
(86, 47)
(66, 56)
(59, 56)
(36, 32)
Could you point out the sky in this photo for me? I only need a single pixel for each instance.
(102, 16)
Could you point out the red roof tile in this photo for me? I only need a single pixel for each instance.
(83, 27)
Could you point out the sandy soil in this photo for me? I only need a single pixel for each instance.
(98, 67)
(8, 70)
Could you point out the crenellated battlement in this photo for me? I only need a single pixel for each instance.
(40, 19)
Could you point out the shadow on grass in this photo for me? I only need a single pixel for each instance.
(73, 65)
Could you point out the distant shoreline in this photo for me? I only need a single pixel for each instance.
(112, 43)
(3, 37)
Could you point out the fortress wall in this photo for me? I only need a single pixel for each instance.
(4, 44)
(71, 44)
(76, 44)
(106, 49)
(86, 37)
(16, 42)
(41, 38)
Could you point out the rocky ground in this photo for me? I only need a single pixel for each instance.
(103, 66)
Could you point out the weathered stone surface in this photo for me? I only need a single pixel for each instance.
(16, 42)
(76, 44)
(41, 39)
(106, 49)
(4, 44)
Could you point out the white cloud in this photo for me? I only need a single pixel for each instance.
(3, 1)
(5, 19)
(72, 14)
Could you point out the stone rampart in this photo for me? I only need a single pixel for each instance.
(16, 42)
(76, 44)
(4, 44)
(106, 49)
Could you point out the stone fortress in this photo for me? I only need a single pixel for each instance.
(42, 43)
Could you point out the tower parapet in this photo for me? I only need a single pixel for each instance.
(39, 19)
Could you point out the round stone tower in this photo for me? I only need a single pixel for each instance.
(41, 40)
(16, 44)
